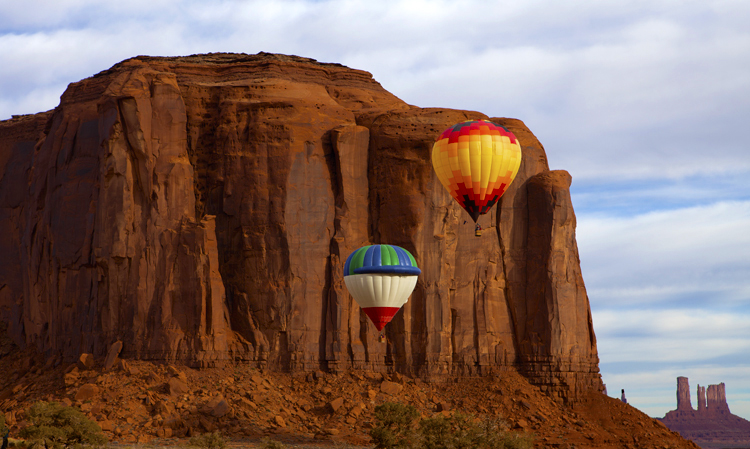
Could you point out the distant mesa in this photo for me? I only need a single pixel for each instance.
(712, 425)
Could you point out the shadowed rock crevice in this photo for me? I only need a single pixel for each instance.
(200, 209)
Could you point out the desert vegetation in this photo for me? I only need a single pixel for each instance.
(399, 427)
(212, 440)
(56, 426)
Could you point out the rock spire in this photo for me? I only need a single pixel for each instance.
(701, 398)
(683, 394)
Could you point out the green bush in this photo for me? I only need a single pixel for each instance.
(212, 440)
(514, 440)
(55, 426)
(436, 432)
(456, 432)
(396, 429)
(272, 444)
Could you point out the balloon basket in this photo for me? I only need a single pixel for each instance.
(381, 338)
(478, 233)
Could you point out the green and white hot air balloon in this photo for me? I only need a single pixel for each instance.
(381, 278)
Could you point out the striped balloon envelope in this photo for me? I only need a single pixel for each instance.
(381, 278)
(476, 161)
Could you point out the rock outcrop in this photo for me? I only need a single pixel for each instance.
(199, 210)
(716, 398)
(683, 394)
(712, 425)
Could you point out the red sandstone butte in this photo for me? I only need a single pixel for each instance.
(199, 210)
(712, 425)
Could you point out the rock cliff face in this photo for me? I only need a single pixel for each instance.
(712, 425)
(200, 209)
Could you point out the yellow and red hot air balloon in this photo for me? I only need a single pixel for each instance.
(476, 160)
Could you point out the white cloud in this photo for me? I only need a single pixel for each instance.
(633, 197)
(673, 335)
(666, 255)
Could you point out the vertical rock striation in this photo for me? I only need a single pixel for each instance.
(199, 209)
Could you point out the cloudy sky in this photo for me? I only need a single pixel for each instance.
(646, 103)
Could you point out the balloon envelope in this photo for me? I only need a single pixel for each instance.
(475, 161)
(381, 278)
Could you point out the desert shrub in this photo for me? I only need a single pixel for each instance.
(435, 432)
(514, 440)
(55, 426)
(212, 440)
(455, 432)
(396, 430)
(494, 434)
(272, 444)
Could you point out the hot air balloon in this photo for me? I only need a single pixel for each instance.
(476, 161)
(381, 278)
